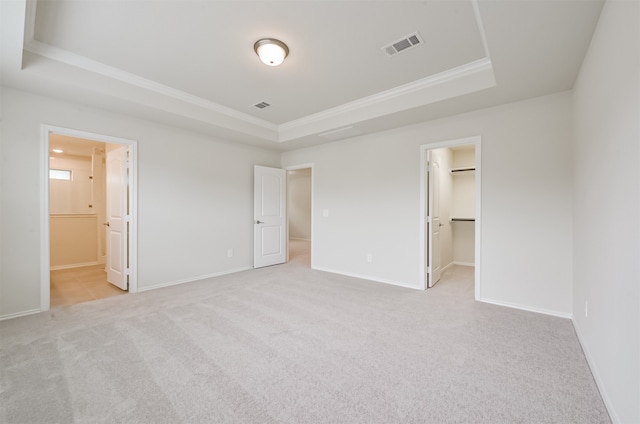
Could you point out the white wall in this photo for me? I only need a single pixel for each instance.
(71, 196)
(299, 203)
(195, 196)
(606, 211)
(73, 240)
(370, 186)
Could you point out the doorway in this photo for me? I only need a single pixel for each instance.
(88, 237)
(300, 214)
(450, 210)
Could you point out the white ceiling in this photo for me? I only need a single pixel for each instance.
(192, 64)
(72, 146)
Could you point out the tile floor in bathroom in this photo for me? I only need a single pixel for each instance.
(78, 285)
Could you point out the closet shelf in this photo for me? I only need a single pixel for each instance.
(464, 169)
(463, 219)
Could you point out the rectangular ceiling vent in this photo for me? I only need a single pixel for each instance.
(262, 105)
(404, 44)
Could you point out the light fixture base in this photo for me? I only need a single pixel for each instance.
(271, 52)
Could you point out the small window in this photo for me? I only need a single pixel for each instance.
(60, 174)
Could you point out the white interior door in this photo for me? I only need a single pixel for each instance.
(434, 270)
(117, 228)
(269, 225)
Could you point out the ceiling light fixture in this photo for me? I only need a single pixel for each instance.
(271, 51)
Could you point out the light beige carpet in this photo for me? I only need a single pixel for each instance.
(287, 344)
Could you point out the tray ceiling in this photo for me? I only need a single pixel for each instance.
(191, 63)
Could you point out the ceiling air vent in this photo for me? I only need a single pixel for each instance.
(262, 105)
(404, 44)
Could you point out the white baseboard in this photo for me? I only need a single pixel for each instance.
(192, 279)
(596, 375)
(464, 263)
(300, 239)
(20, 314)
(369, 278)
(527, 308)
(447, 267)
(58, 267)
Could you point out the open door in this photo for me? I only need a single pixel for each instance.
(117, 222)
(434, 271)
(269, 225)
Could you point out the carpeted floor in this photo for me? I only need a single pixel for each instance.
(287, 344)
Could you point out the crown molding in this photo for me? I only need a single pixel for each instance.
(391, 94)
(464, 79)
(42, 49)
(90, 65)
(468, 78)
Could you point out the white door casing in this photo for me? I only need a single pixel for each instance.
(269, 225)
(117, 219)
(434, 270)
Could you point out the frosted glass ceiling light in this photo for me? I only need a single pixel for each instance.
(271, 51)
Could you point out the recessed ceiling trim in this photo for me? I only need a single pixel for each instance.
(417, 93)
(64, 56)
(470, 77)
(483, 36)
(341, 133)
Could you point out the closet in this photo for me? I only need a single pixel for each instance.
(463, 203)
(451, 206)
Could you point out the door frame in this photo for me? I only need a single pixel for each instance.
(294, 168)
(477, 142)
(432, 185)
(45, 263)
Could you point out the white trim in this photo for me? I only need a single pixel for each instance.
(294, 168)
(192, 279)
(477, 142)
(558, 314)
(463, 263)
(29, 21)
(45, 265)
(20, 314)
(368, 278)
(299, 239)
(449, 75)
(45, 253)
(70, 266)
(483, 36)
(81, 62)
(466, 78)
(449, 265)
(596, 375)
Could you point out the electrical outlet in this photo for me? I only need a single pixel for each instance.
(369, 258)
(229, 253)
(586, 308)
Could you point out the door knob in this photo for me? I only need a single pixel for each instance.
(259, 222)
(107, 224)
